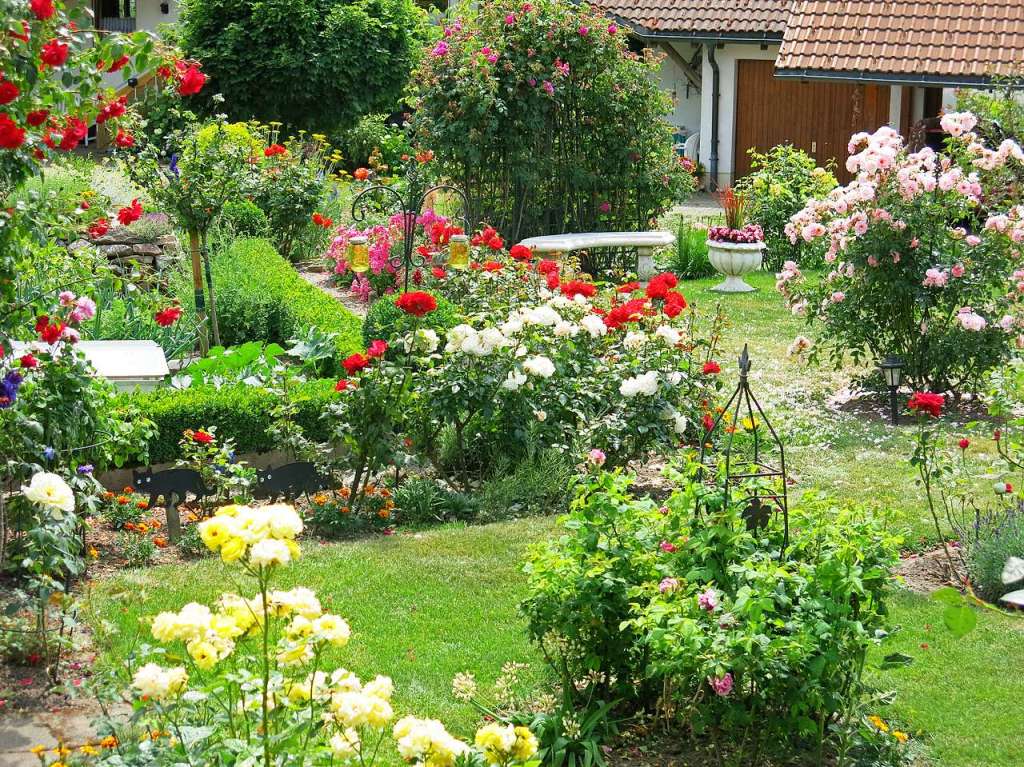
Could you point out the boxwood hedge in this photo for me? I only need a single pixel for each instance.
(238, 411)
(260, 297)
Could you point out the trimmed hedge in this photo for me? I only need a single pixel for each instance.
(260, 297)
(239, 412)
(385, 320)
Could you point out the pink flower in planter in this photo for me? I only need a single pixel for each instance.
(722, 685)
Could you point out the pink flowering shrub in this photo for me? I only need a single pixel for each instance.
(922, 257)
(541, 113)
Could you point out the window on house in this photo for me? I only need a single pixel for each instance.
(116, 15)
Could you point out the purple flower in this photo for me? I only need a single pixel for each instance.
(440, 49)
(668, 584)
(605, 206)
(510, 19)
(708, 600)
(722, 685)
(548, 87)
(584, 31)
(49, 453)
(173, 165)
(9, 388)
(667, 547)
(85, 469)
(613, 28)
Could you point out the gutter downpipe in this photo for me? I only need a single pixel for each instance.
(716, 93)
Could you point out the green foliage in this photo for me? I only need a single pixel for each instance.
(261, 297)
(562, 131)
(987, 556)
(374, 132)
(640, 598)
(137, 548)
(541, 484)
(239, 412)
(780, 183)
(244, 218)
(689, 259)
(252, 362)
(422, 501)
(313, 64)
(386, 321)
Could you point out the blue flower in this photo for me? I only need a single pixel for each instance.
(49, 453)
(84, 469)
(9, 385)
(173, 165)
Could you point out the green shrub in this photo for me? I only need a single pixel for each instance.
(539, 485)
(258, 55)
(370, 133)
(244, 218)
(385, 320)
(538, 149)
(422, 501)
(260, 297)
(239, 412)
(987, 556)
(780, 183)
(643, 599)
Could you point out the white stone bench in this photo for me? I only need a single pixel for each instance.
(643, 242)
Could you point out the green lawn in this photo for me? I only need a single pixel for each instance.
(855, 456)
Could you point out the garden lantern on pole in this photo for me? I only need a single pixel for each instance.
(387, 199)
(892, 370)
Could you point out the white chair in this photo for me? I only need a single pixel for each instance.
(691, 148)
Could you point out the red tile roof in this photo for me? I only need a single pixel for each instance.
(951, 40)
(696, 17)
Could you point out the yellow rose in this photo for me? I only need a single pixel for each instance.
(232, 549)
(526, 744)
(225, 626)
(214, 533)
(203, 653)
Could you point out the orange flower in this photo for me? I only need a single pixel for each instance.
(128, 489)
(124, 500)
(320, 499)
(142, 505)
(108, 742)
(160, 543)
(385, 493)
(108, 495)
(371, 489)
(345, 509)
(384, 513)
(344, 492)
(129, 526)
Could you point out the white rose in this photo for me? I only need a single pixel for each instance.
(646, 384)
(344, 745)
(539, 366)
(268, 552)
(513, 381)
(542, 315)
(49, 490)
(492, 338)
(594, 325)
(679, 424)
(457, 335)
(668, 334)
(634, 340)
(566, 329)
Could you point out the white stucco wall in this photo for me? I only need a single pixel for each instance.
(726, 56)
(671, 78)
(148, 15)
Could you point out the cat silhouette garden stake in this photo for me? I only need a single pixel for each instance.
(289, 481)
(174, 485)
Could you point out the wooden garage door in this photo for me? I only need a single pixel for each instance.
(818, 117)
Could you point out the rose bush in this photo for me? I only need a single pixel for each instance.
(921, 264)
(540, 113)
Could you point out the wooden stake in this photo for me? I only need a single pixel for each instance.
(197, 284)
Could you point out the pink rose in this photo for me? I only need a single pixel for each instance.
(722, 685)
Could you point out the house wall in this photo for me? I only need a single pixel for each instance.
(686, 115)
(726, 56)
(148, 15)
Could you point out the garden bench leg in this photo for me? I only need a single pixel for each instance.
(644, 264)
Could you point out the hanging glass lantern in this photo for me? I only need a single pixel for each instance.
(458, 252)
(753, 460)
(358, 255)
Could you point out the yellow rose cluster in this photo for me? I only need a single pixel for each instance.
(156, 683)
(265, 533)
(426, 742)
(503, 744)
(208, 636)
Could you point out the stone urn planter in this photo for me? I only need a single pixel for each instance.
(734, 259)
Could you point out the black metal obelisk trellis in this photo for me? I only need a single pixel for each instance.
(761, 473)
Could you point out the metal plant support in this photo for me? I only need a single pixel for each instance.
(762, 502)
(387, 199)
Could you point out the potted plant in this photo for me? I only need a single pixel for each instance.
(736, 248)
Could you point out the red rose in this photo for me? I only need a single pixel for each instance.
(629, 287)
(112, 110)
(439, 273)
(997, 435)
(28, 361)
(273, 150)
(41, 322)
(360, 174)
(99, 227)
(51, 333)
(927, 402)
(552, 281)
(192, 81)
(123, 139)
(54, 53)
(416, 303)
(964, 444)
(130, 213)
(202, 437)
(354, 363)
(376, 349)
(8, 91)
(661, 284)
(322, 221)
(575, 288)
(707, 422)
(492, 266)
(42, 9)
(547, 267)
(37, 117)
(119, 64)
(495, 243)
(167, 317)
(1009, 487)
(521, 253)
(711, 368)
(71, 135)
(11, 136)
(631, 311)
(341, 385)
(675, 302)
